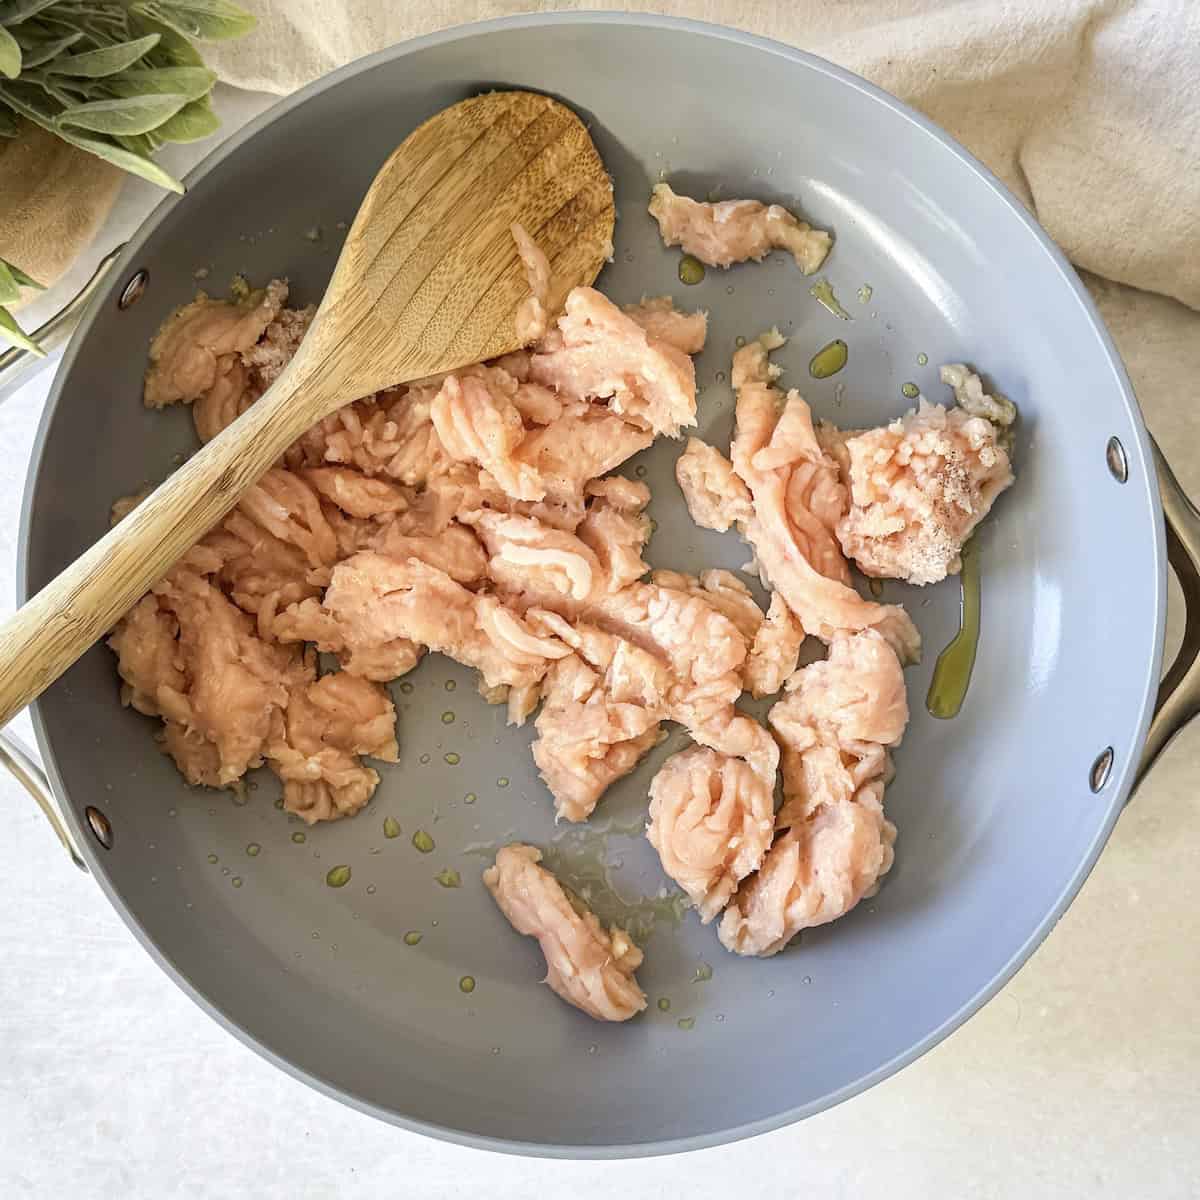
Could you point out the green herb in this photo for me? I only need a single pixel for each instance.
(116, 78)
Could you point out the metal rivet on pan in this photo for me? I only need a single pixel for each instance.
(1101, 769)
(131, 293)
(1114, 455)
(100, 826)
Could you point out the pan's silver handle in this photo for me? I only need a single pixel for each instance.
(17, 366)
(28, 773)
(1179, 693)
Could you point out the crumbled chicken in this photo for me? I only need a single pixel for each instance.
(798, 500)
(601, 712)
(587, 965)
(599, 352)
(532, 317)
(659, 317)
(318, 739)
(918, 488)
(378, 608)
(187, 353)
(836, 726)
(715, 496)
(733, 231)
(774, 651)
(711, 819)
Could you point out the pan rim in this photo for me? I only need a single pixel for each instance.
(1139, 457)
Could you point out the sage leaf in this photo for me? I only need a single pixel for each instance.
(21, 10)
(23, 279)
(95, 64)
(190, 82)
(191, 123)
(173, 50)
(206, 20)
(126, 160)
(145, 144)
(10, 291)
(10, 54)
(38, 53)
(128, 115)
(10, 331)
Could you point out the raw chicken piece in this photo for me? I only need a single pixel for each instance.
(835, 727)
(721, 590)
(186, 353)
(287, 506)
(229, 395)
(583, 443)
(532, 317)
(921, 485)
(616, 530)
(374, 602)
(601, 713)
(188, 655)
(599, 352)
(314, 749)
(146, 644)
(587, 965)
(454, 550)
(918, 489)
(797, 502)
(735, 230)
(659, 317)
(278, 345)
(259, 571)
(356, 494)
(479, 425)
(711, 819)
(775, 650)
(716, 497)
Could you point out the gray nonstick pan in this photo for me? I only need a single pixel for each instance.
(1001, 811)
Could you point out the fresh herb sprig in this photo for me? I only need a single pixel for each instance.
(119, 79)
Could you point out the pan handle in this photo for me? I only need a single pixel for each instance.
(1179, 693)
(28, 773)
(17, 366)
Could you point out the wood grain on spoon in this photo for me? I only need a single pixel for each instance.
(428, 280)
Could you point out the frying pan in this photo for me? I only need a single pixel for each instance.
(1002, 811)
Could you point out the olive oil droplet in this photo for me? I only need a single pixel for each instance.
(922, 359)
(691, 270)
(450, 685)
(952, 672)
(254, 849)
(502, 782)
(391, 827)
(822, 293)
(448, 717)
(212, 858)
(864, 293)
(452, 758)
(664, 1004)
(467, 984)
(412, 937)
(406, 688)
(829, 360)
(686, 1023)
(449, 878)
(703, 973)
(338, 876)
(910, 391)
(236, 881)
(470, 798)
(423, 842)
(299, 836)
(875, 586)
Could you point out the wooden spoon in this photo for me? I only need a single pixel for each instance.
(429, 280)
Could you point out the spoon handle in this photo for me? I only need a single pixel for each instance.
(55, 627)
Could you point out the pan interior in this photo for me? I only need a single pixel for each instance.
(995, 815)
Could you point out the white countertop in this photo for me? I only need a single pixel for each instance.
(1081, 1079)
